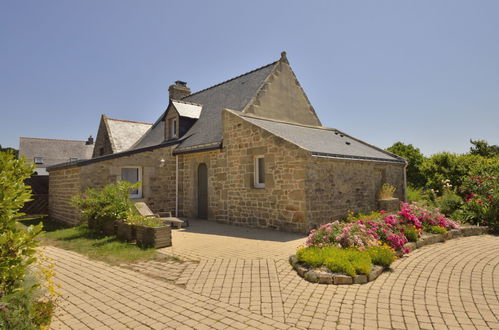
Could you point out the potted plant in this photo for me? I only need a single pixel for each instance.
(152, 232)
(103, 207)
(126, 229)
(386, 201)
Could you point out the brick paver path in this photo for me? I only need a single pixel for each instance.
(235, 282)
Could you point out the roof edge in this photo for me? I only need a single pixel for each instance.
(360, 158)
(111, 156)
(226, 81)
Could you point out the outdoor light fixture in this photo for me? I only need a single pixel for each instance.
(162, 162)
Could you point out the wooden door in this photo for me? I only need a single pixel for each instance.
(202, 191)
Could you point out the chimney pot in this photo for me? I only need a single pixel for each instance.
(90, 140)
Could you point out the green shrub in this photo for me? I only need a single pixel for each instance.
(414, 194)
(411, 233)
(381, 255)
(139, 220)
(374, 215)
(449, 202)
(110, 202)
(348, 261)
(340, 265)
(481, 204)
(435, 230)
(414, 159)
(21, 306)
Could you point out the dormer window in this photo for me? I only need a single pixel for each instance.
(38, 160)
(173, 128)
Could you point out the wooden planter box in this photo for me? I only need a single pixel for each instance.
(389, 205)
(108, 227)
(125, 231)
(155, 237)
(92, 224)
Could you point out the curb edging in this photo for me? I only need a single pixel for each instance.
(315, 275)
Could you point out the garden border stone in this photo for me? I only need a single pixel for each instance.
(316, 275)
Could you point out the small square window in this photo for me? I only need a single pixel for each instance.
(259, 172)
(132, 175)
(38, 160)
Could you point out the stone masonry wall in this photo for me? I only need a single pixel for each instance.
(335, 187)
(63, 184)
(158, 182)
(232, 196)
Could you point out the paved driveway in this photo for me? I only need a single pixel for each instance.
(231, 281)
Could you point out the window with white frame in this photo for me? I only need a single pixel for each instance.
(259, 172)
(38, 160)
(132, 175)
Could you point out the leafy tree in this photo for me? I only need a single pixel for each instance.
(14, 151)
(482, 148)
(414, 159)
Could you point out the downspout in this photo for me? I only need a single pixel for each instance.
(176, 185)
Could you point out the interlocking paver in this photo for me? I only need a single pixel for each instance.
(241, 281)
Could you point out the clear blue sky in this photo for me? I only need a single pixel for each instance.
(420, 72)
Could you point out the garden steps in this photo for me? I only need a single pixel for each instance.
(322, 276)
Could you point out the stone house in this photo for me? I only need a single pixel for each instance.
(249, 151)
(44, 153)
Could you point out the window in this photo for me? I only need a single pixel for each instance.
(38, 160)
(173, 128)
(259, 172)
(132, 175)
(101, 152)
(71, 160)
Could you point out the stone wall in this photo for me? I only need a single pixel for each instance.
(102, 142)
(158, 182)
(232, 196)
(336, 186)
(63, 184)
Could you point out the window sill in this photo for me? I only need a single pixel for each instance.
(259, 187)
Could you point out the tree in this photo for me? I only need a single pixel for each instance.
(482, 148)
(414, 159)
(14, 151)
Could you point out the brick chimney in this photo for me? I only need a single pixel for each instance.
(90, 140)
(179, 90)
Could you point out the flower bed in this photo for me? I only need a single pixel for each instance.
(333, 252)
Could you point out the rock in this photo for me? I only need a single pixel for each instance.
(456, 233)
(342, 279)
(301, 270)
(422, 242)
(411, 246)
(325, 278)
(311, 276)
(375, 272)
(293, 260)
(360, 279)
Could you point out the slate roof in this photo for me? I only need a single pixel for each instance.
(323, 141)
(53, 151)
(155, 135)
(232, 94)
(125, 133)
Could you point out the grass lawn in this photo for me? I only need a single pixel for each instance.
(83, 240)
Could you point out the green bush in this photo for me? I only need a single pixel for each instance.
(381, 255)
(348, 261)
(373, 215)
(456, 168)
(435, 230)
(414, 159)
(414, 194)
(481, 204)
(110, 202)
(411, 233)
(449, 202)
(139, 220)
(20, 305)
